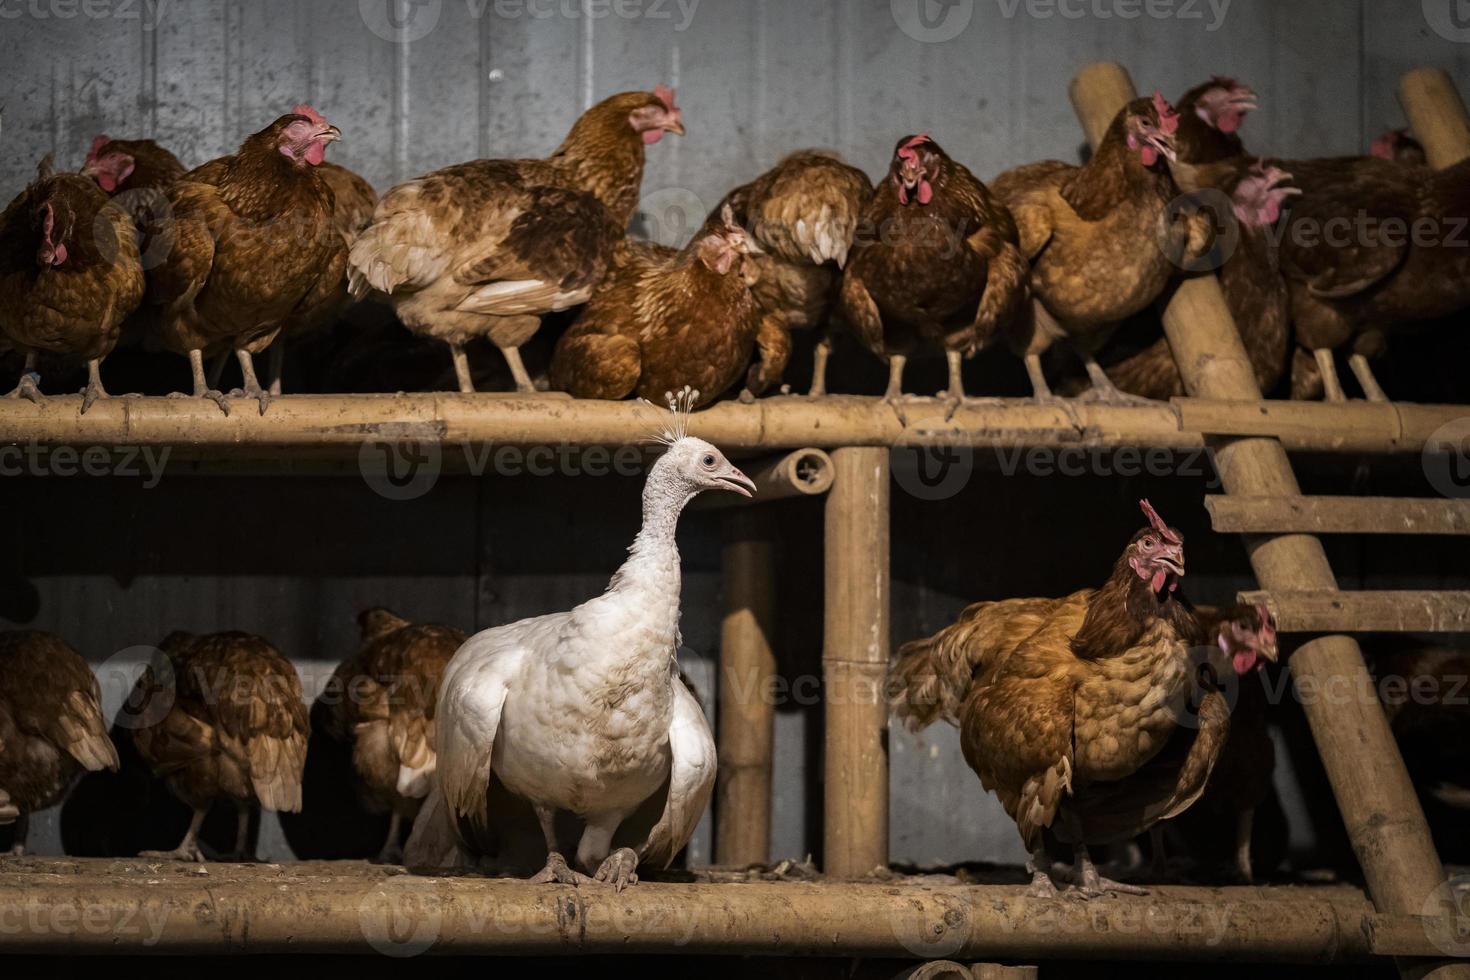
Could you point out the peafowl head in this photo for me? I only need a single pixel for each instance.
(692, 465)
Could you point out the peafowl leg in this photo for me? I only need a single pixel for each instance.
(556, 869)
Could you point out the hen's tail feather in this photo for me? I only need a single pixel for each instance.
(85, 733)
(930, 677)
(276, 766)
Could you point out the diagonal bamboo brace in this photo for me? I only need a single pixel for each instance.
(1372, 788)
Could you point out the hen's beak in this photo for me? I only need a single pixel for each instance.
(330, 135)
(675, 126)
(1172, 561)
(737, 482)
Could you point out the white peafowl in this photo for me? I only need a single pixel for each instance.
(583, 712)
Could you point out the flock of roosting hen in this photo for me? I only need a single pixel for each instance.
(248, 251)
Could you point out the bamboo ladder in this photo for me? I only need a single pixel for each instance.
(1369, 781)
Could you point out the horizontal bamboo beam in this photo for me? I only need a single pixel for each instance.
(1338, 515)
(1399, 611)
(282, 910)
(330, 426)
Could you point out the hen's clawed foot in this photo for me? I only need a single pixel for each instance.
(218, 397)
(556, 871)
(1041, 886)
(28, 388)
(90, 396)
(1093, 885)
(618, 869)
(255, 391)
(184, 852)
(1113, 396)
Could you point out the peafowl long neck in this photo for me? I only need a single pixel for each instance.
(649, 579)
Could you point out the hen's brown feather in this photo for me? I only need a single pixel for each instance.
(235, 725)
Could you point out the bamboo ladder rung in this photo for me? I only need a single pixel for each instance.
(1397, 611)
(1338, 515)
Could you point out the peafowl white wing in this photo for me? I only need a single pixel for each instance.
(583, 712)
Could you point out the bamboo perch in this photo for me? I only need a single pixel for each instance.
(855, 665)
(288, 910)
(1403, 611)
(747, 714)
(1372, 788)
(1436, 115)
(803, 473)
(340, 425)
(1338, 515)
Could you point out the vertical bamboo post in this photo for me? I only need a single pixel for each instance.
(1436, 115)
(1372, 788)
(747, 712)
(855, 664)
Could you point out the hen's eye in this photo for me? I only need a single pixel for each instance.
(1149, 541)
(708, 461)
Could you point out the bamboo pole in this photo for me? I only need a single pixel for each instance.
(747, 714)
(1000, 971)
(139, 908)
(305, 427)
(855, 665)
(1436, 115)
(1398, 611)
(1372, 788)
(1338, 515)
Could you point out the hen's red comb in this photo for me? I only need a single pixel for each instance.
(98, 143)
(1168, 118)
(317, 119)
(1225, 82)
(1268, 628)
(666, 96)
(1157, 522)
(907, 152)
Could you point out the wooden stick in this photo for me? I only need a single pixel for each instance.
(855, 665)
(747, 713)
(316, 908)
(1328, 610)
(999, 971)
(1338, 515)
(336, 426)
(803, 473)
(1437, 115)
(1372, 788)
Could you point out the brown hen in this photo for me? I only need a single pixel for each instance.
(386, 699)
(484, 249)
(51, 725)
(1102, 238)
(69, 276)
(1076, 711)
(249, 245)
(935, 261)
(804, 213)
(663, 319)
(222, 719)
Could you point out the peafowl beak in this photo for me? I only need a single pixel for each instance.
(736, 481)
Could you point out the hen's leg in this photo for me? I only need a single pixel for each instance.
(518, 369)
(22, 831)
(1040, 390)
(896, 364)
(277, 364)
(94, 389)
(392, 852)
(954, 395)
(556, 869)
(1244, 824)
(1088, 884)
(188, 849)
(242, 852)
(1041, 883)
(820, 355)
(201, 387)
(250, 387)
(29, 385)
(1103, 390)
(1160, 855)
(461, 368)
(1327, 368)
(1364, 374)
